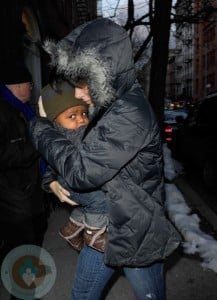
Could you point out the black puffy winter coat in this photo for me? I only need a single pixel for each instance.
(21, 196)
(121, 153)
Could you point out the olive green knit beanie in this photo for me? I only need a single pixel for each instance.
(56, 101)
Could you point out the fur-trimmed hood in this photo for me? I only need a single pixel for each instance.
(98, 52)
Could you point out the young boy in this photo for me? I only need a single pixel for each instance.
(88, 221)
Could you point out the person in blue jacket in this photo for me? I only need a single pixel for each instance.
(120, 153)
(23, 203)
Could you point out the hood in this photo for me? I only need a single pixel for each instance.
(98, 52)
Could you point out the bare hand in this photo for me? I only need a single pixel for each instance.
(42, 112)
(61, 193)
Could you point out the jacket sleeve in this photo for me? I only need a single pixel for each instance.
(107, 148)
(17, 152)
(49, 176)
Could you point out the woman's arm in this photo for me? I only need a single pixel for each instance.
(61, 193)
(49, 176)
(108, 147)
(51, 184)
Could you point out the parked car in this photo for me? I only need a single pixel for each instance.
(195, 140)
(171, 120)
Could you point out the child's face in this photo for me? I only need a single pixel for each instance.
(73, 117)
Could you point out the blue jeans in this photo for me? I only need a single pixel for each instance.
(92, 276)
(93, 207)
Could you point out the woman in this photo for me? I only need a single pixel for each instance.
(120, 153)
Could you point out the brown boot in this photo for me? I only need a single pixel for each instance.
(72, 232)
(95, 238)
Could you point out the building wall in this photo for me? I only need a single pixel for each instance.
(55, 19)
(25, 24)
(183, 58)
(205, 55)
(171, 80)
(196, 53)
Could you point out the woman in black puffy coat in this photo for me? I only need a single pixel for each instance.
(121, 154)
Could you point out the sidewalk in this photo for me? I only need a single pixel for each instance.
(65, 258)
(185, 278)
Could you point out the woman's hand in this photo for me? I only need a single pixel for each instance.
(61, 193)
(41, 110)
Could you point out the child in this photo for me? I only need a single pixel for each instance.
(88, 221)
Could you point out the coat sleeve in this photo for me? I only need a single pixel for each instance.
(49, 176)
(16, 153)
(108, 147)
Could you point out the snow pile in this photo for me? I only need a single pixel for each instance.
(195, 240)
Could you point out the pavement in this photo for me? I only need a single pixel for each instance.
(185, 277)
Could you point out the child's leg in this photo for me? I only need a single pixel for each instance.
(95, 232)
(96, 221)
(95, 207)
(72, 231)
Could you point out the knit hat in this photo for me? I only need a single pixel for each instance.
(14, 73)
(58, 100)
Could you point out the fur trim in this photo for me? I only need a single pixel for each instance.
(50, 46)
(85, 64)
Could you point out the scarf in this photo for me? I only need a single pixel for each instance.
(12, 100)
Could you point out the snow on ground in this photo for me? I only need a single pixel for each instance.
(195, 240)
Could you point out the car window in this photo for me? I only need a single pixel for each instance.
(170, 115)
(204, 114)
(207, 114)
(192, 118)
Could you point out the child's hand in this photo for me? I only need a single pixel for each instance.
(61, 193)
(41, 110)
